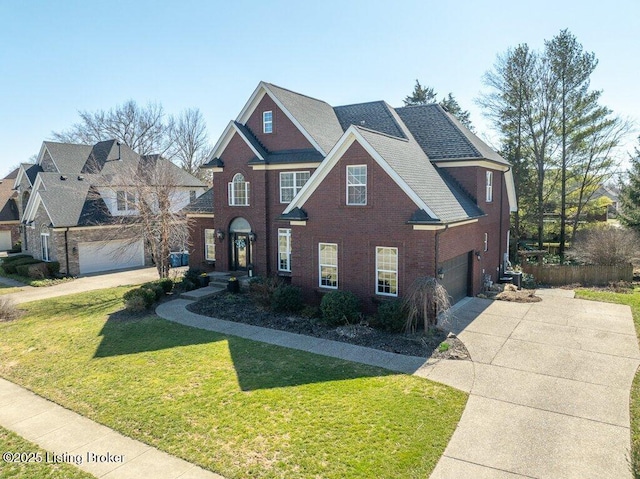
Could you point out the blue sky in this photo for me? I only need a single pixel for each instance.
(58, 57)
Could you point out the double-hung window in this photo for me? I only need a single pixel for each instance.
(291, 182)
(387, 271)
(238, 191)
(357, 184)
(284, 249)
(125, 200)
(267, 122)
(489, 187)
(328, 265)
(210, 245)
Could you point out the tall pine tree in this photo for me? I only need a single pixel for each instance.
(629, 213)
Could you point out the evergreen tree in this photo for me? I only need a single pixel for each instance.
(629, 213)
(452, 106)
(421, 96)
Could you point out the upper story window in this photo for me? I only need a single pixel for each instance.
(357, 185)
(489, 187)
(291, 183)
(238, 191)
(267, 122)
(125, 200)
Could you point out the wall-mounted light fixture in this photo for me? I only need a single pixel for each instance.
(478, 255)
(252, 236)
(219, 234)
(440, 273)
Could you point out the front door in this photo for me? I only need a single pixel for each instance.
(240, 251)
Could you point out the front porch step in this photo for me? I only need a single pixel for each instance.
(217, 285)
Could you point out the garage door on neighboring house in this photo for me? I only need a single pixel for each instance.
(5, 240)
(456, 277)
(99, 256)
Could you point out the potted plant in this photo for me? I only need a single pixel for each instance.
(233, 285)
(203, 280)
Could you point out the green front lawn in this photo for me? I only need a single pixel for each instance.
(12, 443)
(234, 406)
(633, 300)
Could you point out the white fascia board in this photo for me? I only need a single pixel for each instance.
(352, 134)
(32, 207)
(19, 176)
(511, 191)
(38, 183)
(471, 162)
(255, 99)
(226, 137)
(41, 153)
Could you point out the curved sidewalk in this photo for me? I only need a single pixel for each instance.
(549, 383)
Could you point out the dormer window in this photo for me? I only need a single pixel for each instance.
(267, 122)
(238, 191)
(357, 185)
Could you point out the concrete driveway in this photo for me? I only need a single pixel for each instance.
(549, 389)
(86, 283)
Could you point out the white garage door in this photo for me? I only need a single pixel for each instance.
(5, 240)
(109, 255)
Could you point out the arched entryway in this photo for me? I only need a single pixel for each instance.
(240, 244)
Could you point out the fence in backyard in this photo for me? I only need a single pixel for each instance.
(587, 275)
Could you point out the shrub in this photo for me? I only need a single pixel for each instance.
(53, 268)
(135, 304)
(15, 257)
(262, 288)
(192, 274)
(287, 298)
(607, 245)
(340, 307)
(166, 284)
(37, 270)
(8, 310)
(145, 295)
(391, 316)
(10, 268)
(155, 288)
(425, 299)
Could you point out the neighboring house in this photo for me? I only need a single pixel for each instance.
(360, 197)
(75, 200)
(9, 214)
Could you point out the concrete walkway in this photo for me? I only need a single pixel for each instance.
(79, 441)
(83, 283)
(549, 383)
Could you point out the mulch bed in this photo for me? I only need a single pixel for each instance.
(241, 308)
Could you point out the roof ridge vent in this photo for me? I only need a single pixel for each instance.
(63, 177)
(80, 177)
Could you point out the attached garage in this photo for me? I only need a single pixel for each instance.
(456, 277)
(97, 256)
(5, 240)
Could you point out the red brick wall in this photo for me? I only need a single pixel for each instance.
(358, 230)
(196, 248)
(285, 136)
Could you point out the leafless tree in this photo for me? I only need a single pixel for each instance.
(189, 143)
(143, 129)
(425, 299)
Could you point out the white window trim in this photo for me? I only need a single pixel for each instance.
(296, 188)
(129, 201)
(285, 232)
(231, 189)
(486, 242)
(44, 240)
(266, 122)
(366, 189)
(489, 187)
(378, 270)
(207, 244)
(320, 265)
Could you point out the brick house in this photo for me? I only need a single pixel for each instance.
(361, 197)
(76, 200)
(9, 214)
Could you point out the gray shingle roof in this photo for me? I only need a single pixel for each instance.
(251, 138)
(442, 136)
(375, 115)
(63, 199)
(68, 157)
(291, 156)
(203, 204)
(316, 116)
(8, 206)
(31, 171)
